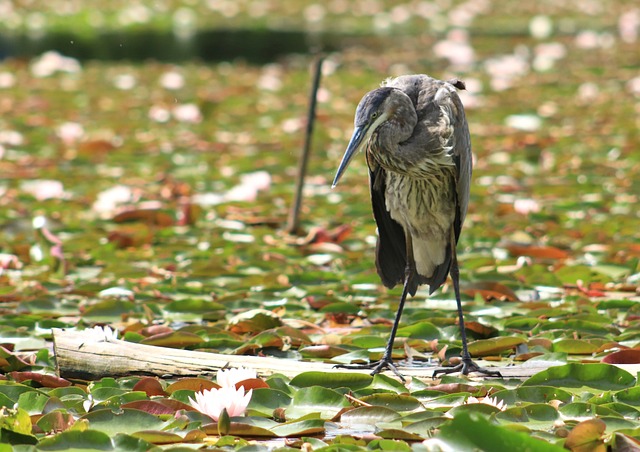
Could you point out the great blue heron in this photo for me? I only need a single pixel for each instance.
(418, 151)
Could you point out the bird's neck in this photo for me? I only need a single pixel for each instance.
(387, 140)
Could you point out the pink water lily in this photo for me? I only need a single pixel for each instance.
(212, 401)
(233, 376)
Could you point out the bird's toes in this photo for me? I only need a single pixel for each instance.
(465, 368)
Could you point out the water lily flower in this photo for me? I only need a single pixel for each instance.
(212, 401)
(105, 333)
(493, 401)
(231, 377)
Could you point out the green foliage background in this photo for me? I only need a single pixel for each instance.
(165, 183)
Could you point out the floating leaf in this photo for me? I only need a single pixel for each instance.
(150, 386)
(368, 415)
(157, 407)
(490, 291)
(576, 375)
(192, 384)
(471, 431)
(587, 436)
(426, 427)
(15, 420)
(351, 380)
(533, 394)
(77, 440)
(254, 321)
(581, 410)
(265, 400)
(540, 252)
(482, 408)
(243, 429)
(175, 339)
(536, 416)
(300, 428)
(388, 444)
(396, 402)
(399, 434)
(630, 396)
(154, 217)
(341, 307)
(420, 330)
(574, 347)
(495, 345)
(158, 437)
(126, 420)
(316, 399)
(55, 421)
(627, 356)
(109, 310)
(321, 351)
(622, 442)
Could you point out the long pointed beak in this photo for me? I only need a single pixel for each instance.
(356, 142)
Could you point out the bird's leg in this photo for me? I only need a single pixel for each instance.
(386, 362)
(467, 365)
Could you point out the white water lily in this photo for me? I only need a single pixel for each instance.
(212, 401)
(105, 333)
(233, 376)
(493, 401)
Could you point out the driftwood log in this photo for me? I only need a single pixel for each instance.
(84, 355)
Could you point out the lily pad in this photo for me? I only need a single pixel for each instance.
(125, 420)
(351, 380)
(316, 399)
(472, 431)
(485, 347)
(575, 375)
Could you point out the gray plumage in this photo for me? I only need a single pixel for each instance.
(418, 151)
(419, 156)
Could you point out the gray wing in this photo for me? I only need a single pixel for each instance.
(434, 99)
(442, 132)
(391, 251)
(461, 153)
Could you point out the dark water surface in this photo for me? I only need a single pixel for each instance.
(253, 46)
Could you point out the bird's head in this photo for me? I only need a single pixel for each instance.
(374, 109)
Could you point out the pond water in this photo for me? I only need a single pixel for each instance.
(257, 46)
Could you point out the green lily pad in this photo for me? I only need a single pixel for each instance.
(536, 416)
(472, 431)
(396, 402)
(533, 394)
(426, 427)
(574, 347)
(576, 375)
(109, 310)
(78, 440)
(420, 330)
(578, 410)
(299, 428)
(174, 339)
(322, 351)
(265, 400)
(368, 415)
(630, 396)
(495, 345)
(122, 421)
(351, 380)
(316, 399)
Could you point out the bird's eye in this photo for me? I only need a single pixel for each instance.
(374, 115)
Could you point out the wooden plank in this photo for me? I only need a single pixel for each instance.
(84, 355)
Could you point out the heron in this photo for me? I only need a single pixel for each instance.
(418, 151)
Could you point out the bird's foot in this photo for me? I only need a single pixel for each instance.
(465, 367)
(375, 366)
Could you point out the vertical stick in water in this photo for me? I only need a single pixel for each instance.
(293, 222)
